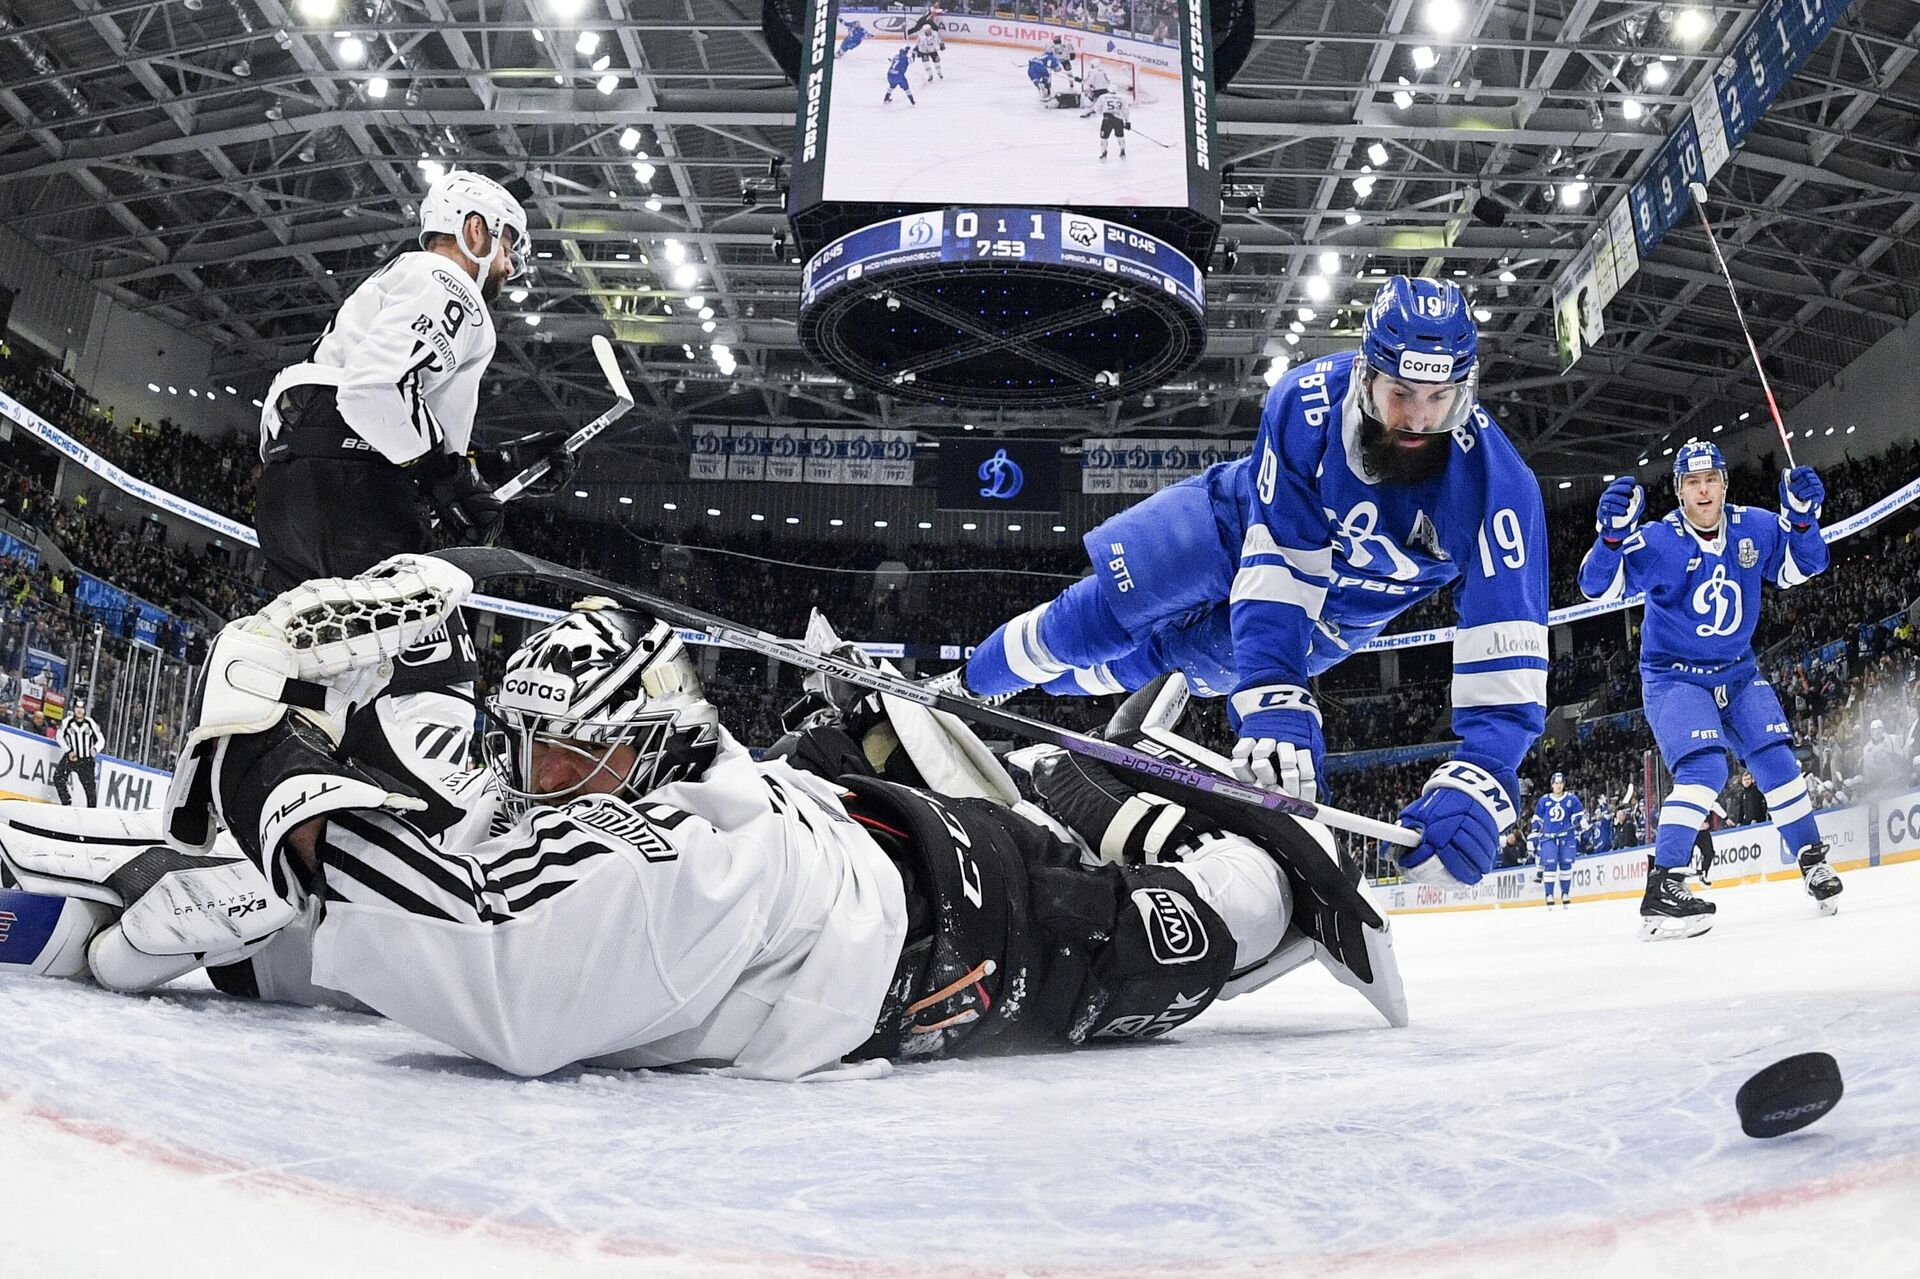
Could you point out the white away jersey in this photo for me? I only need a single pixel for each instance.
(406, 352)
(740, 919)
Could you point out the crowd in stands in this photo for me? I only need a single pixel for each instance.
(1838, 648)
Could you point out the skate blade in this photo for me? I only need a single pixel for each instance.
(1828, 907)
(1665, 928)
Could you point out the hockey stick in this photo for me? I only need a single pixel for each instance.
(623, 400)
(1224, 799)
(1699, 191)
(1149, 137)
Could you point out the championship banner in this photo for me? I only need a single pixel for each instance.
(1779, 38)
(1135, 465)
(801, 454)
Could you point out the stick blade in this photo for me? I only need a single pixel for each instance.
(1698, 191)
(610, 369)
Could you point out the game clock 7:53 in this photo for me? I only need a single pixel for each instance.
(1000, 235)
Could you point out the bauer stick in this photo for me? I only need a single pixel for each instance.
(623, 400)
(1222, 798)
(1699, 192)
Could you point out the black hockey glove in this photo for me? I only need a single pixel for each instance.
(465, 505)
(1121, 824)
(502, 462)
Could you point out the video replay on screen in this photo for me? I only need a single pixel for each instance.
(1092, 105)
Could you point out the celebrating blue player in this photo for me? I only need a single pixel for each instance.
(1559, 819)
(897, 76)
(855, 34)
(1702, 568)
(1375, 480)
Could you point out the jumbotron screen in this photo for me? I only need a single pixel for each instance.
(935, 105)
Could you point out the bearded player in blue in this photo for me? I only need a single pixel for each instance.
(1702, 568)
(1559, 819)
(1375, 480)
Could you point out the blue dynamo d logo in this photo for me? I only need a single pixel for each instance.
(1001, 476)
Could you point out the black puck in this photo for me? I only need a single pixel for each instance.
(1788, 1095)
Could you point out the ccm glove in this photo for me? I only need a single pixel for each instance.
(464, 504)
(1620, 508)
(1461, 814)
(1280, 744)
(1801, 493)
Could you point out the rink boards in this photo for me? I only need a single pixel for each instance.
(1879, 833)
(26, 772)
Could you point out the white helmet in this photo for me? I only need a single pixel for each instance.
(458, 193)
(606, 677)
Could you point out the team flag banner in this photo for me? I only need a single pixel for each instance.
(800, 454)
(1134, 465)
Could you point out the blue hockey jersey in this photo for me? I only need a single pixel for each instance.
(1328, 554)
(1703, 594)
(1558, 816)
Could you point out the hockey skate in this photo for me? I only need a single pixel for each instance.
(1668, 910)
(1823, 885)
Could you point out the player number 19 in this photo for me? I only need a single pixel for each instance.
(1513, 546)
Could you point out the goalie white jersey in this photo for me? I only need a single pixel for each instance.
(740, 919)
(405, 354)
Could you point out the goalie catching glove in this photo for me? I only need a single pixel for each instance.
(277, 690)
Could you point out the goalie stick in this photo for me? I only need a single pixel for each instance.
(623, 400)
(1226, 800)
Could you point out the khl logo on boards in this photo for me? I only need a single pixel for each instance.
(1001, 477)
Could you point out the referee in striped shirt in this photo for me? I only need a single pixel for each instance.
(79, 743)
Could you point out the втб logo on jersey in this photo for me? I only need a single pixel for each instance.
(1718, 600)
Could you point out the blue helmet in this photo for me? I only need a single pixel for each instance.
(1419, 330)
(1697, 455)
(1559, 779)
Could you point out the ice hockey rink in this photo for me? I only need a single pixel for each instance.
(993, 133)
(1562, 1101)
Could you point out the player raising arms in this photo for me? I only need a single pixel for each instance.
(1374, 481)
(856, 33)
(1702, 568)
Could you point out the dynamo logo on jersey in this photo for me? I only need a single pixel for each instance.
(1001, 477)
(1718, 600)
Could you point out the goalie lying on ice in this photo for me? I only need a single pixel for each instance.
(624, 885)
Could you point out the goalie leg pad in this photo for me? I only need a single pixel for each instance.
(46, 935)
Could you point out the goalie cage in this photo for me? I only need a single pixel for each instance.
(1123, 75)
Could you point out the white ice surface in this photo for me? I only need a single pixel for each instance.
(982, 136)
(1562, 1104)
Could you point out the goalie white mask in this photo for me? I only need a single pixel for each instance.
(600, 678)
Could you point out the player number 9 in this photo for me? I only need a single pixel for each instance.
(1506, 531)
